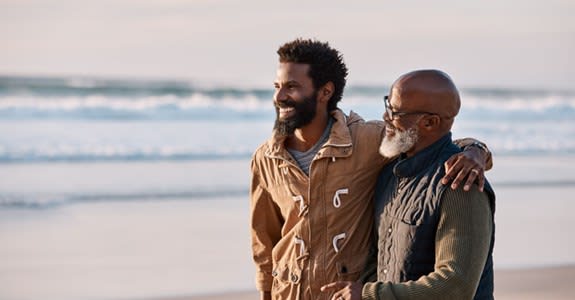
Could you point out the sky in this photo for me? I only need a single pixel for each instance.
(504, 43)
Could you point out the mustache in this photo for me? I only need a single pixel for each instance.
(285, 104)
(388, 125)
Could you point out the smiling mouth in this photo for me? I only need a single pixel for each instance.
(286, 110)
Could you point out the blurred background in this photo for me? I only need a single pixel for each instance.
(126, 128)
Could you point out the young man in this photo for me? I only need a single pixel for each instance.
(434, 242)
(313, 180)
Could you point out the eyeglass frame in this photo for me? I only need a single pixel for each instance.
(393, 114)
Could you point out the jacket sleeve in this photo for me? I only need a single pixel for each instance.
(266, 223)
(462, 242)
(464, 142)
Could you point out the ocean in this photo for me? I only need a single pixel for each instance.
(78, 119)
(131, 189)
(73, 120)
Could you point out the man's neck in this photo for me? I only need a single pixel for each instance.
(424, 142)
(306, 137)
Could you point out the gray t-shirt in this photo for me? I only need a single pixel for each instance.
(304, 159)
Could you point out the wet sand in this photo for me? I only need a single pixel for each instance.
(536, 283)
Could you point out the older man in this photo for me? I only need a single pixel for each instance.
(434, 242)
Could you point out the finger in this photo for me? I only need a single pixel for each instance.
(481, 181)
(333, 286)
(448, 164)
(472, 175)
(464, 172)
(452, 171)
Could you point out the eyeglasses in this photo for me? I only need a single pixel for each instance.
(396, 114)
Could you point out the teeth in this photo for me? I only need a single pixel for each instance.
(286, 109)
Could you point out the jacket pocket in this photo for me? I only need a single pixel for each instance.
(286, 283)
(350, 269)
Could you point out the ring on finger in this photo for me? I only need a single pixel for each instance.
(474, 171)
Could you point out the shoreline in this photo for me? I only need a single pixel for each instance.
(510, 284)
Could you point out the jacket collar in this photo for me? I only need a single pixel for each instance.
(409, 167)
(339, 143)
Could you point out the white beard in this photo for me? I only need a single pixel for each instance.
(400, 142)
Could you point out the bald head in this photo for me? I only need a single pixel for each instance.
(420, 110)
(428, 90)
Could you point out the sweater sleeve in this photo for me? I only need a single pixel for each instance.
(266, 223)
(462, 244)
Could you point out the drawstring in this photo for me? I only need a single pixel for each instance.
(300, 242)
(336, 199)
(301, 202)
(336, 239)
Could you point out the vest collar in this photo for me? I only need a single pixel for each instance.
(409, 167)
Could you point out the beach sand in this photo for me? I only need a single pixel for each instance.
(183, 247)
(537, 283)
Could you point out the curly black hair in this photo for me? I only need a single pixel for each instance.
(326, 64)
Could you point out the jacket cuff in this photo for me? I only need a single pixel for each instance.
(471, 142)
(369, 291)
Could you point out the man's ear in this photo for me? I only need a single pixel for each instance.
(325, 92)
(431, 122)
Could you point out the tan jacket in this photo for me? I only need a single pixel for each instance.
(310, 231)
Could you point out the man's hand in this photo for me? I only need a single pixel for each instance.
(346, 290)
(470, 163)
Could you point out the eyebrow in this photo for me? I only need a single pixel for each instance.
(293, 82)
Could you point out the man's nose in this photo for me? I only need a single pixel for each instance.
(386, 117)
(280, 95)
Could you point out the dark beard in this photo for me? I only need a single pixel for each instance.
(305, 111)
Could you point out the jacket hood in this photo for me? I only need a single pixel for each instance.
(353, 118)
